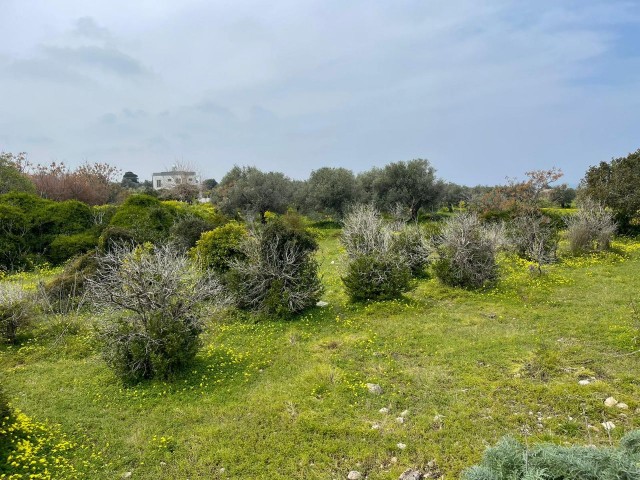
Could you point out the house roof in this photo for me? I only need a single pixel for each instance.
(172, 173)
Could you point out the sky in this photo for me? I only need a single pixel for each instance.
(482, 89)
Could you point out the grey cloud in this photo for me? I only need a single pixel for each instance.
(87, 27)
(107, 58)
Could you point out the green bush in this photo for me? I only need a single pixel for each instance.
(144, 218)
(216, 249)
(64, 247)
(511, 460)
(278, 274)
(187, 230)
(466, 251)
(377, 277)
(112, 236)
(14, 228)
(68, 217)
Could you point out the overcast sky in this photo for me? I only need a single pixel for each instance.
(483, 89)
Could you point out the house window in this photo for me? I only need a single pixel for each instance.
(158, 183)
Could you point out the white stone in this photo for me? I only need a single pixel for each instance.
(374, 388)
(375, 426)
(322, 303)
(610, 402)
(608, 426)
(400, 419)
(401, 446)
(394, 460)
(127, 475)
(404, 413)
(384, 410)
(410, 475)
(354, 475)
(622, 406)
(584, 382)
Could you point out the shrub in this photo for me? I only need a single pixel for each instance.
(364, 232)
(186, 231)
(380, 262)
(510, 459)
(466, 251)
(67, 291)
(278, 274)
(412, 246)
(219, 247)
(114, 236)
(14, 228)
(144, 218)
(68, 217)
(535, 238)
(157, 300)
(377, 277)
(17, 308)
(63, 247)
(592, 228)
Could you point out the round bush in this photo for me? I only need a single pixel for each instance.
(466, 253)
(64, 247)
(217, 248)
(145, 218)
(278, 274)
(377, 277)
(186, 231)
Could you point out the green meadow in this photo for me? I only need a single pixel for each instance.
(534, 357)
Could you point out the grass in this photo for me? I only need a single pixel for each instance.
(288, 399)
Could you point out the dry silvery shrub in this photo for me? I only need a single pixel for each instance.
(591, 228)
(277, 273)
(380, 261)
(466, 252)
(364, 232)
(17, 309)
(155, 302)
(534, 237)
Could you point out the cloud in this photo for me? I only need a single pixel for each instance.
(483, 88)
(87, 27)
(108, 59)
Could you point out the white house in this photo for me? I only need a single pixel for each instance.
(174, 177)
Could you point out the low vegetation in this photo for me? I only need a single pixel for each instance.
(180, 342)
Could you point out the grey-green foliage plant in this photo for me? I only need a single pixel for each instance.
(466, 252)
(534, 237)
(155, 304)
(380, 262)
(275, 271)
(591, 228)
(511, 460)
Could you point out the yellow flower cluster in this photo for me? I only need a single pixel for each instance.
(38, 451)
